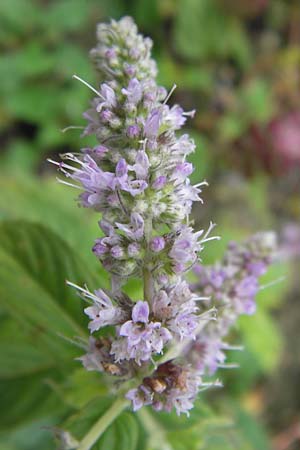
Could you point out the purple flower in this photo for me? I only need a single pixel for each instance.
(92, 360)
(139, 397)
(140, 312)
(133, 91)
(141, 166)
(100, 248)
(103, 312)
(181, 171)
(108, 96)
(117, 252)
(175, 117)
(133, 249)
(256, 268)
(157, 244)
(185, 246)
(139, 337)
(134, 230)
(121, 168)
(159, 182)
(152, 123)
(183, 146)
(106, 115)
(133, 131)
(184, 325)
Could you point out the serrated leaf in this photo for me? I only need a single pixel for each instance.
(34, 263)
(41, 261)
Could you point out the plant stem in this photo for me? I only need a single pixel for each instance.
(156, 434)
(148, 282)
(102, 423)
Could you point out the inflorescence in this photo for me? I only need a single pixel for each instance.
(169, 342)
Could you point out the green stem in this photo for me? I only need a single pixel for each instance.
(156, 434)
(102, 423)
(148, 282)
(147, 285)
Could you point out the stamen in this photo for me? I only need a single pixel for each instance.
(68, 184)
(89, 86)
(229, 366)
(272, 283)
(77, 343)
(203, 183)
(72, 127)
(169, 94)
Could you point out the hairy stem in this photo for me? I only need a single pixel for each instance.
(102, 423)
(148, 282)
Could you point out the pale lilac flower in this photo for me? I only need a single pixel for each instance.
(139, 397)
(139, 338)
(141, 166)
(157, 244)
(159, 182)
(109, 97)
(133, 131)
(134, 91)
(152, 123)
(135, 229)
(103, 312)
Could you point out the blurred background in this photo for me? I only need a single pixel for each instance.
(237, 62)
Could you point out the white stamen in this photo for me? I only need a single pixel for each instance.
(201, 298)
(272, 283)
(86, 294)
(72, 127)
(228, 366)
(189, 113)
(210, 239)
(68, 184)
(77, 342)
(89, 86)
(56, 163)
(203, 183)
(169, 94)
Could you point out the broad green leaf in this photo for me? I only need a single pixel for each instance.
(47, 202)
(34, 263)
(47, 262)
(29, 398)
(36, 306)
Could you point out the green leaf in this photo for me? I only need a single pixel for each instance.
(256, 101)
(29, 398)
(35, 306)
(47, 202)
(122, 434)
(204, 30)
(45, 262)
(34, 263)
(262, 337)
(167, 430)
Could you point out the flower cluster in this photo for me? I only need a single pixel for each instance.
(231, 286)
(137, 177)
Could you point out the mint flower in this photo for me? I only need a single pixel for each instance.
(137, 178)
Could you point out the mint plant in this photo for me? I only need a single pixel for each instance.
(164, 348)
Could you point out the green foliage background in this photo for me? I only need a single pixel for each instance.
(221, 55)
